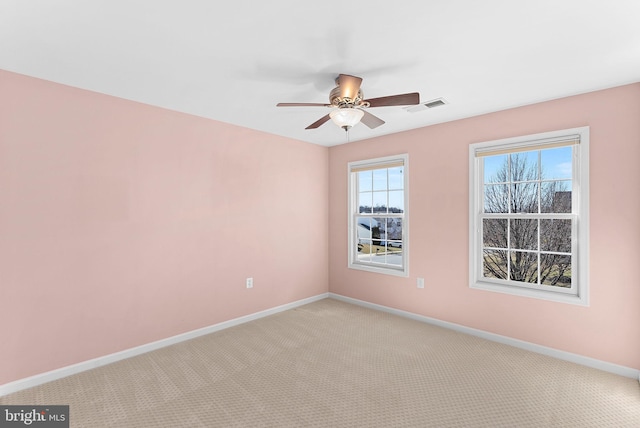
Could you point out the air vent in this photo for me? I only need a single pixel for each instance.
(427, 105)
(435, 103)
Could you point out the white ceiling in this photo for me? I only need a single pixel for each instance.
(233, 61)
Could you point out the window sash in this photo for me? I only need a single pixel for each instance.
(537, 145)
(575, 276)
(354, 248)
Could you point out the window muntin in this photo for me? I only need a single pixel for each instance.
(528, 214)
(377, 217)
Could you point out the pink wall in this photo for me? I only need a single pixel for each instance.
(609, 328)
(122, 224)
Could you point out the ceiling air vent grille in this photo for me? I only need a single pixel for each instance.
(435, 103)
(427, 105)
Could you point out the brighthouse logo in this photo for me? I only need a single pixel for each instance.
(36, 416)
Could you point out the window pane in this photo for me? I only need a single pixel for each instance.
(555, 270)
(394, 230)
(494, 233)
(524, 166)
(364, 181)
(524, 234)
(379, 231)
(380, 179)
(396, 178)
(524, 197)
(557, 163)
(495, 169)
(364, 227)
(556, 197)
(365, 202)
(396, 201)
(494, 264)
(365, 245)
(394, 256)
(555, 235)
(496, 198)
(364, 250)
(524, 266)
(376, 250)
(394, 241)
(380, 202)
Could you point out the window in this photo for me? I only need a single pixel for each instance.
(378, 215)
(529, 215)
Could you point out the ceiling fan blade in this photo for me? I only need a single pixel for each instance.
(302, 105)
(319, 122)
(370, 120)
(395, 100)
(349, 86)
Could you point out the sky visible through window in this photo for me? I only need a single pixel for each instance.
(556, 163)
(375, 186)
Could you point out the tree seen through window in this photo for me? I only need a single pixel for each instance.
(523, 238)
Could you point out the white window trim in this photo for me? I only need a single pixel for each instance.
(581, 191)
(352, 201)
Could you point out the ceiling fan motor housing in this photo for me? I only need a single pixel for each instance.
(336, 99)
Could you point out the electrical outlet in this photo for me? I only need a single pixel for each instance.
(249, 282)
(420, 282)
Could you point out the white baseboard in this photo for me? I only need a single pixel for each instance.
(39, 379)
(551, 352)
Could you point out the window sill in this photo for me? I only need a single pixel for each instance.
(376, 269)
(531, 293)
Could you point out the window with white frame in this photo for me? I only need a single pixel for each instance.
(378, 226)
(528, 217)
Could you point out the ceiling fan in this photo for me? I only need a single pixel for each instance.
(348, 104)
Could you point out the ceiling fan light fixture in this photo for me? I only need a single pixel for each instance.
(345, 118)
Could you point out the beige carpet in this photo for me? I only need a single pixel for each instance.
(332, 364)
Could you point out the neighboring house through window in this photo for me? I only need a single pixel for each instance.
(378, 226)
(529, 215)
